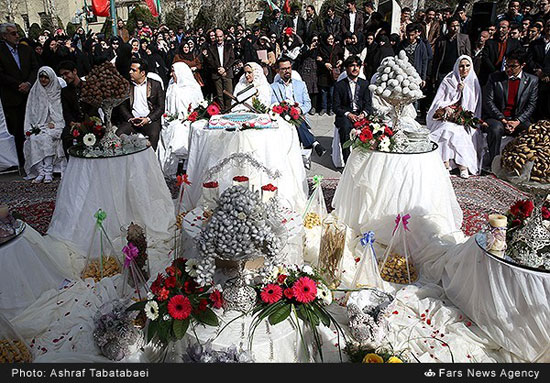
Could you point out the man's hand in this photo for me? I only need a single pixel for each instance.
(221, 71)
(423, 84)
(511, 126)
(329, 66)
(24, 87)
(140, 121)
(353, 117)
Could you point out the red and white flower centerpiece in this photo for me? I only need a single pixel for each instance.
(269, 191)
(370, 133)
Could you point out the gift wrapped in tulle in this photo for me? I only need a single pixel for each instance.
(103, 263)
(13, 348)
(313, 216)
(331, 251)
(397, 264)
(136, 263)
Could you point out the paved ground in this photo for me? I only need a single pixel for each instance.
(322, 128)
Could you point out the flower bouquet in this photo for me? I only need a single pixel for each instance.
(289, 111)
(370, 133)
(358, 353)
(203, 111)
(88, 134)
(457, 114)
(175, 301)
(295, 293)
(34, 130)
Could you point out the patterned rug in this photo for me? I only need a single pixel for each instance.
(477, 196)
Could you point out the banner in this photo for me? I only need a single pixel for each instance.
(152, 4)
(101, 7)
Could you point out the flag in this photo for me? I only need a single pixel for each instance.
(153, 7)
(286, 7)
(272, 5)
(101, 7)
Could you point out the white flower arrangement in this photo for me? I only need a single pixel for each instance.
(191, 267)
(384, 144)
(324, 293)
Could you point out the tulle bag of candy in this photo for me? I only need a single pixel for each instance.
(313, 217)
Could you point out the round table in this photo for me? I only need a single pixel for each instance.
(276, 149)
(26, 271)
(377, 186)
(510, 303)
(129, 188)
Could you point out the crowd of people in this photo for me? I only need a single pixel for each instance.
(500, 71)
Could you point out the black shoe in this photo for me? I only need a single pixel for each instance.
(320, 150)
(312, 112)
(322, 112)
(331, 113)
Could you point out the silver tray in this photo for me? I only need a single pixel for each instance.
(19, 229)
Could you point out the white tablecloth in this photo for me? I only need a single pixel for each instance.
(128, 188)
(277, 149)
(8, 153)
(26, 271)
(509, 303)
(376, 186)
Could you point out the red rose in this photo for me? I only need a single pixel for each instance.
(76, 133)
(193, 117)
(240, 179)
(216, 299)
(269, 187)
(28, 134)
(203, 304)
(213, 109)
(289, 294)
(170, 282)
(189, 287)
(278, 109)
(289, 31)
(516, 222)
(165, 115)
(281, 279)
(522, 209)
(545, 213)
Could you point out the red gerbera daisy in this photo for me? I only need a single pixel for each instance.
(271, 293)
(305, 290)
(213, 109)
(216, 299)
(179, 307)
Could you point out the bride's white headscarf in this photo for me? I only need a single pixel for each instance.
(449, 94)
(186, 91)
(260, 83)
(44, 103)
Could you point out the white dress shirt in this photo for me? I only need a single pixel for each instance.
(220, 53)
(15, 53)
(140, 107)
(352, 22)
(353, 87)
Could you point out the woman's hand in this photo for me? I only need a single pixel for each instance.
(339, 62)
(51, 125)
(319, 58)
(460, 86)
(329, 66)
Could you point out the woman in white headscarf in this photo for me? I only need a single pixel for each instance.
(44, 124)
(183, 93)
(253, 75)
(459, 146)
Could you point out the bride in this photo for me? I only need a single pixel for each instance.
(183, 94)
(459, 145)
(44, 124)
(253, 75)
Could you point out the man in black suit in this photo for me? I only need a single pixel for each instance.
(219, 60)
(352, 20)
(18, 70)
(332, 23)
(351, 101)
(143, 111)
(509, 101)
(74, 110)
(448, 48)
(295, 21)
(496, 49)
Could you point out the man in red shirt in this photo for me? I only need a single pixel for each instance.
(509, 101)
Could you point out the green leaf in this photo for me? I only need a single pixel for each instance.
(280, 315)
(138, 306)
(152, 330)
(180, 328)
(322, 314)
(207, 317)
(347, 144)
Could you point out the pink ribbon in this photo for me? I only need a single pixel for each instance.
(404, 219)
(131, 253)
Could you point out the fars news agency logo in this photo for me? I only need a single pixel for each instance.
(429, 373)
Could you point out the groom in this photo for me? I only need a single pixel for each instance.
(287, 88)
(352, 101)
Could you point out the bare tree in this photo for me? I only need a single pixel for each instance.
(12, 9)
